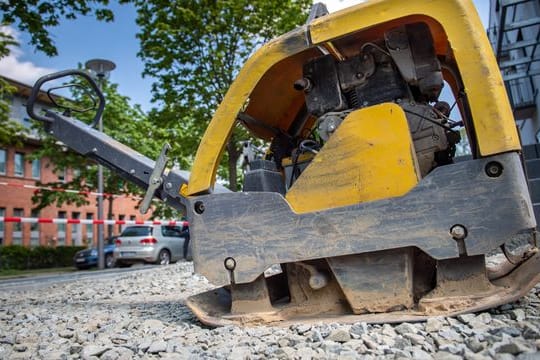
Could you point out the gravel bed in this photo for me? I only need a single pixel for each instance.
(141, 315)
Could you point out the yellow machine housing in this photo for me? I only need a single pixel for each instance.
(460, 44)
(358, 200)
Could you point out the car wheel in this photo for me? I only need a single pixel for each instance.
(186, 248)
(187, 251)
(164, 257)
(109, 261)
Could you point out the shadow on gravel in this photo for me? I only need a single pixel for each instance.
(168, 312)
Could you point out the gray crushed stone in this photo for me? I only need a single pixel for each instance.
(141, 315)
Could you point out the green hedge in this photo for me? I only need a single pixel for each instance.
(40, 257)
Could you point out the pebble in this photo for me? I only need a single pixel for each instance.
(420, 354)
(474, 345)
(466, 318)
(302, 329)
(406, 328)
(434, 324)
(339, 335)
(20, 347)
(142, 315)
(157, 347)
(92, 350)
(443, 355)
(517, 314)
(415, 338)
(358, 330)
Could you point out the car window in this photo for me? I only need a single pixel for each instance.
(137, 231)
(172, 231)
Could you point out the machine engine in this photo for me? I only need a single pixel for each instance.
(399, 68)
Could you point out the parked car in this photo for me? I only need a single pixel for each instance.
(160, 244)
(85, 259)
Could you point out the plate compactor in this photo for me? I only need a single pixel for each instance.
(358, 210)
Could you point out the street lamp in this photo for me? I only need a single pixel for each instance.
(101, 69)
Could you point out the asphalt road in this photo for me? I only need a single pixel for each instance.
(38, 281)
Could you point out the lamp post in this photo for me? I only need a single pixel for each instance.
(101, 69)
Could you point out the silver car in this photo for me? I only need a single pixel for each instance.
(160, 244)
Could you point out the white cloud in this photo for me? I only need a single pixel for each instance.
(13, 67)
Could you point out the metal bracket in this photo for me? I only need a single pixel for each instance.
(156, 178)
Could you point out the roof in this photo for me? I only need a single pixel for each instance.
(24, 90)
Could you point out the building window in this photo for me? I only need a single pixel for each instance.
(61, 173)
(121, 227)
(89, 229)
(76, 173)
(3, 156)
(36, 169)
(76, 231)
(61, 229)
(17, 227)
(19, 165)
(2, 214)
(34, 229)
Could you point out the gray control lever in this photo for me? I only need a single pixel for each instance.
(156, 178)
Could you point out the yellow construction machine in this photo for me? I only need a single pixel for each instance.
(358, 211)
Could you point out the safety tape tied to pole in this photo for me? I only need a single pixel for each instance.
(90, 221)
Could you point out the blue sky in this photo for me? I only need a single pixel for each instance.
(84, 39)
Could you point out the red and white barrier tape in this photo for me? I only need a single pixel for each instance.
(91, 221)
(80, 192)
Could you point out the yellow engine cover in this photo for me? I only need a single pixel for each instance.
(369, 157)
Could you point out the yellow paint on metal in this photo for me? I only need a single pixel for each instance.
(493, 120)
(213, 142)
(369, 157)
(184, 190)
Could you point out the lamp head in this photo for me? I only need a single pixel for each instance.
(100, 67)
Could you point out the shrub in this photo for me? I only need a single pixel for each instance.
(64, 254)
(14, 257)
(42, 257)
(21, 258)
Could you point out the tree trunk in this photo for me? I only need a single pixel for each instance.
(233, 153)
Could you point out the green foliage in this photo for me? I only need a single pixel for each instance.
(195, 49)
(64, 255)
(6, 40)
(44, 257)
(14, 257)
(40, 257)
(10, 131)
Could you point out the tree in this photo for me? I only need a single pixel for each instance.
(194, 49)
(123, 122)
(36, 17)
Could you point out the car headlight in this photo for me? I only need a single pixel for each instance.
(93, 252)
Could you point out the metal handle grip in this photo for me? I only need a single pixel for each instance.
(30, 105)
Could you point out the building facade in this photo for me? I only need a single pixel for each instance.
(17, 170)
(514, 32)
